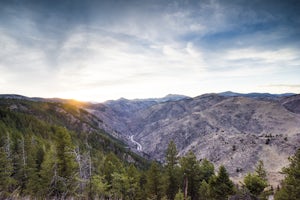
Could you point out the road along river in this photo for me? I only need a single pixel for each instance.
(138, 145)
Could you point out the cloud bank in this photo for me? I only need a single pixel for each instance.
(99, 50)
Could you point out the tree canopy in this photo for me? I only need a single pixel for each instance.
(290, 186)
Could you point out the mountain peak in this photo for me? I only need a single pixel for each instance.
(173, 97)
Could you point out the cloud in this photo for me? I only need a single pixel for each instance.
(281, 88)
(266, 56)
(285, 85)
(104, 57)
(129, 48)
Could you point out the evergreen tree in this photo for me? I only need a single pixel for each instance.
(207, 170)
(48, 173)
(260, 170)
(7, 183)
(66, 164)
(111, 164)
(154, 185)
(255, 184)
(179, 195)
(98, 187)
(120, 185)
(290, 187)
(125, 184)
(221, 186)
(142, 186)
(59, 168)
(172, 171)
(204, 191)
(191, 171)
(32, 166)
(134, 191)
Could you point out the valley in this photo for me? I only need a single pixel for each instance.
(58, 148)
(236, 130)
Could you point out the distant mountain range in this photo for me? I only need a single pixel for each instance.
(233, 129)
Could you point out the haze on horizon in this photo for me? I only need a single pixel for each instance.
(99, 50)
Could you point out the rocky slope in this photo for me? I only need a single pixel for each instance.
(121, 117)
(230, 129)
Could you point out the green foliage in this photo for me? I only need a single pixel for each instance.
(172, 171)
(207, 170)
(34, 158)
(204, 191)
(46, 153)
(179, 195)
(7, 183)
(135, 186)
(221, 186)
(47, 172)
(154, 185)
(260, 170)
(171, 155)
(111, 165)
(290, 187)
(120, 185)
(98, 187)
(190, 167)
(65, 166)
(255, 184)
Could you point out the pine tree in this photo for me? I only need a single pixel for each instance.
(179, 195)
(111, 164)
(133, 175)
(290, 187)
(142, 186)
(260, 170)
(120, 185)
(221, 186)
(172, 171)
(207, 170)
(32, 166)
(6, 169)
(59, 167)
(191, 171)
(48, 173)
(18, 161)
(7, 182)
(66, 164)
(204, 191)
(255, 184)
(154, 185)
(98, 187)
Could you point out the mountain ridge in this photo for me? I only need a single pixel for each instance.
(236, 131)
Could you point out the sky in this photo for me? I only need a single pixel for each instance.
(97, 50)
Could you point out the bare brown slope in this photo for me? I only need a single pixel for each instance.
(234, 131)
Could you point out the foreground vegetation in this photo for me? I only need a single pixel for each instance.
(43, 155)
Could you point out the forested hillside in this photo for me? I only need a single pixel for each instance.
(56, 150)
(51, 150)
